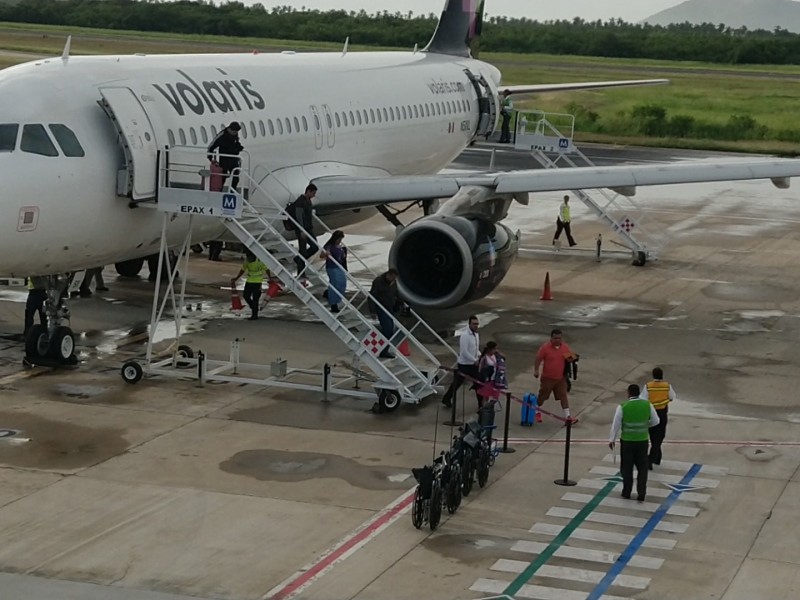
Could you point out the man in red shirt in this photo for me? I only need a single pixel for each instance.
(553, 354)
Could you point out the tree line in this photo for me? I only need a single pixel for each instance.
(614, 38)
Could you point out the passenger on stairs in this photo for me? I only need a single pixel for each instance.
(255, 271)
(384, 292)
(227, 147)
(306, 240)
(335, 254)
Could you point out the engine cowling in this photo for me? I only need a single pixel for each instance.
(444, 261)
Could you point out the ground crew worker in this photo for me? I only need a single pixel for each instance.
(660, 394)
(563, 223)
(255, 271)
(633, 418)
(37, 295)
(505, 112)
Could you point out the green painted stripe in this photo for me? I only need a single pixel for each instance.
(524, 577)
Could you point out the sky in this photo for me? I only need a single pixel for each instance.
(542, 10)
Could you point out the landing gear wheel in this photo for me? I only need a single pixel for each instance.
(37, 342)
(129, 268)
(185, 352)
(640, 259)
(131, 372)
(436, 505)
(62, 345)
(388, 400)
(418, 509)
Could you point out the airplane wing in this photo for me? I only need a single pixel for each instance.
(571, 87)
(353, 192)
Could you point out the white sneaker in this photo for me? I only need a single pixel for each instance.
(305, 282)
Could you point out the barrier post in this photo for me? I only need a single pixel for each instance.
(566, 481)
(454, 422)
(505, 449)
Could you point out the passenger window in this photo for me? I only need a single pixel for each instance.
(358, 114)
(262, 128)
(338, 121)
(171, 137)
(271, 127)
(182, 136)
(66, 139)
(371, 115)
(416, 112)
(344, 118)
(305, 124)
(328, 120)
(213, 132)
(280, 126)
(404, 112)
(297, 125)
(8, 137)
(380, 118)
(366, 116)
(288, 125)
(193, 136)
(385, 115)
(253, 129)
(203, 134)
(36, 141)
(352, 119)
(317, 125)
(243, 131)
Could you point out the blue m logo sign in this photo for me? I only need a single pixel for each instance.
(229, 202)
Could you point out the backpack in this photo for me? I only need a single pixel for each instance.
(291, 210)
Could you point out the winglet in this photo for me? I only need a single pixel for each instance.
(346, 45)
(65, 53)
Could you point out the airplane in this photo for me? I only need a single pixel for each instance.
(80, 139)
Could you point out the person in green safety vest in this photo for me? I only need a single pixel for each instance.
(506, 109)
(634, 419)
(255, 270)
(564, 223)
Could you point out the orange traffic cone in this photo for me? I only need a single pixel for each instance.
(546, 295)
(404, 348)
(236, 300)
(274, 288)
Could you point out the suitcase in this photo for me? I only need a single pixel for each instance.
(529, 406)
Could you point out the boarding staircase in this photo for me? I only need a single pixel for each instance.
(549, 139)
(260, 228)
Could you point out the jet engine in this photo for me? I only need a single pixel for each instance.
(447, 260)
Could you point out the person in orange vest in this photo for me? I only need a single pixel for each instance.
(660, 394)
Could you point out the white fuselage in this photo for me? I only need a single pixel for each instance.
(386, 113)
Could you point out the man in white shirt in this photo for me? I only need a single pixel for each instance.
(469, 354)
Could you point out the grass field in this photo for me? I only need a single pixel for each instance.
(707, 93)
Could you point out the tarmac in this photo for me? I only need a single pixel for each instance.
(166, 490)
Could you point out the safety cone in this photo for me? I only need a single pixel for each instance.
(274, 288)
(546, 295)
(236, 300)
(404, 348)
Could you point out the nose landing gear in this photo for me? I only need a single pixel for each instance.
(52, 345)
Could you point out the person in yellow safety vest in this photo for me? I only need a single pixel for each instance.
(633, 418)
(563, 223)
(505, 112)
(660, 394)
(255, 271)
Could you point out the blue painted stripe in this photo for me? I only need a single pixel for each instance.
(640, 537)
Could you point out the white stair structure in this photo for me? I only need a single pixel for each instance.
(549, 139)
(256, 218)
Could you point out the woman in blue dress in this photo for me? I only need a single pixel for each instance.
(334, 251)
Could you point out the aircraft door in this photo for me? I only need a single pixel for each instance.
(487, 104)
(329, 125)
(138, 142)
(316, 123)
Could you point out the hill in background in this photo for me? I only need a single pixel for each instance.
(753, 14)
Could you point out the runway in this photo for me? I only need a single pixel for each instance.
(166, 490)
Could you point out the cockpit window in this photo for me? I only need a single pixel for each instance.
(8, 137)
(69, 143)
(36, 141)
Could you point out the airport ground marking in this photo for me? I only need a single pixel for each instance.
(640, 537)
(515, 586)
(346, 547)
